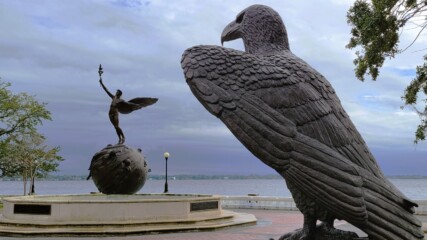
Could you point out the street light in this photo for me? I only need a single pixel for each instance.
(33, 176)
(166, 155)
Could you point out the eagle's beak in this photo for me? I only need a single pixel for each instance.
(231, 32)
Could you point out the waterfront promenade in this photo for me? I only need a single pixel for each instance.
(271, 224)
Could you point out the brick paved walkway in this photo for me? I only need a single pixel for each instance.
(271, 224)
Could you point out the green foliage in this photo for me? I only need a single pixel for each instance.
(33, 155)
(22, 149)
(19, 113)
(8, 167)
(418, 84)
(375, 32)
(28, 156)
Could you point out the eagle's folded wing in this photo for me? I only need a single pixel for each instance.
(228, 82)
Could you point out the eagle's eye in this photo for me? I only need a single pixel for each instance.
(239, 18)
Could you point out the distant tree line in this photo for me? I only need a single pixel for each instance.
(160, 177)
(214, 177)
(188, 177)
(23, 151)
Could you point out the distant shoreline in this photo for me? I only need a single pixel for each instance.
(191, 177)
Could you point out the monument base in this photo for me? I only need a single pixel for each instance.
(99, 214)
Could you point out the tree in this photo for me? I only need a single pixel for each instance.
(22, 149)
(8, 167)
(19, 113)
(375, 29)
(32, 157)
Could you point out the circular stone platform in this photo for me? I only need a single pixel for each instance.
(115, 214)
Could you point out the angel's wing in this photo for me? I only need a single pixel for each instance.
(126, 107)
(229, 83)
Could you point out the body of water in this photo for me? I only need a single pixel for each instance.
(413, 188)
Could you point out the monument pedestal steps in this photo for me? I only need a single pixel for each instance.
(99, 214)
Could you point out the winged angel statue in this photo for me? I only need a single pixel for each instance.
(288, 115)
(119, 105)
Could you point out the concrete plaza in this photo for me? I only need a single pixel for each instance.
(271, 224)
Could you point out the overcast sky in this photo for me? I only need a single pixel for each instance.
(52, 49)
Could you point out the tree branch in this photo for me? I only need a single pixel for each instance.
(422, 29)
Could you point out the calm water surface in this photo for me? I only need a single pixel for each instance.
(413, 188)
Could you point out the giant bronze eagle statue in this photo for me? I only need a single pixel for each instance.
(288, 115)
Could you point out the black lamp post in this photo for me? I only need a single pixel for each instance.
(166, 155)
(32, 191)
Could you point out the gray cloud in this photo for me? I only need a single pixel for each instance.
(52, 49)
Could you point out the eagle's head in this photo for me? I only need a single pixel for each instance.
(261, 29)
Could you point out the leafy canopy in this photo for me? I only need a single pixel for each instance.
(21, 146)
(375, 32)
(19, 113)
(29, 157)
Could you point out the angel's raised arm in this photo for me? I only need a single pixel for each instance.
(105, 88)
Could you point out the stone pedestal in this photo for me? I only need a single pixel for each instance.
(118, 169)
(100, 214)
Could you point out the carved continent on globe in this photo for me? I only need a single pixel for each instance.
(118, 169)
